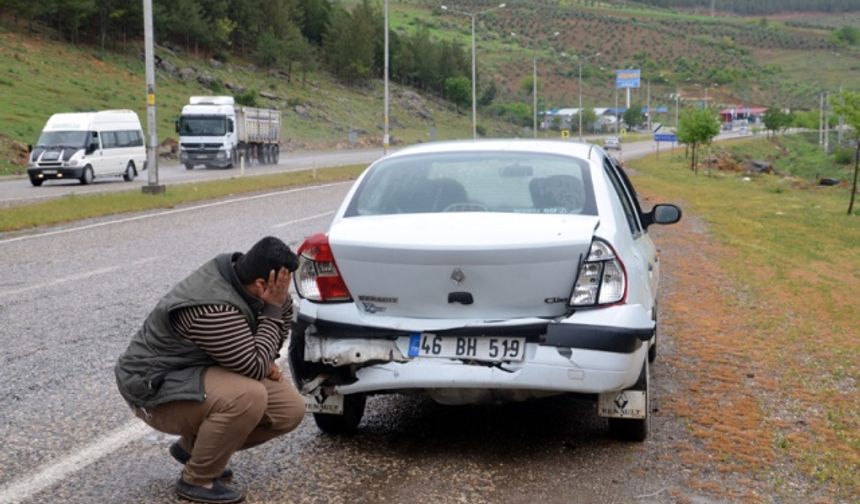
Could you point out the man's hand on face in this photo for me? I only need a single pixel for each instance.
(276, 288)
(275, 373)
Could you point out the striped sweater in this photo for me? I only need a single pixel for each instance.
(221, 331)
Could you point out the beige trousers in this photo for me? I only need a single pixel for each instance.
(237, 413)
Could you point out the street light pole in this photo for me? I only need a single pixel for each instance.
(474, 85)
(534, 94)
(472, 15)
(152, 186)
(579, 86)
(385, 136)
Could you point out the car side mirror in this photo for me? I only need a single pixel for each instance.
(663, 214)
(229, 125)
(176, 125)
(29, 148)
(92, 148)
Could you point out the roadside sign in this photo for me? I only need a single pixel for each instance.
(629, 78)
(665, 137)
(565, 133)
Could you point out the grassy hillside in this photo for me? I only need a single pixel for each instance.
(783, 60)
(39, 77)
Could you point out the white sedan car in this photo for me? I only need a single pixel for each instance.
(479, 272)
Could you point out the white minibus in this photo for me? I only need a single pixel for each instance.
(88, 145)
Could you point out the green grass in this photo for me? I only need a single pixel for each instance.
(794, 248)
(796, 155)
(77, 207)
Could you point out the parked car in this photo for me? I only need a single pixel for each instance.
(88, 145)
(612, 142)
(482, 272)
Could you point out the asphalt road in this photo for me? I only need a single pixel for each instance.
(19, 190)
(71, 297)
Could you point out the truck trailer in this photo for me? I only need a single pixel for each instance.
(215, 132)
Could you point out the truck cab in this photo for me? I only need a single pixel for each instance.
(207, 132)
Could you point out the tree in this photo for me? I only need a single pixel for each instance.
(633, 116)
(589, 117)
(848, 105)
(459, 91)
(269, 50)
(697, 126)
(776, 120)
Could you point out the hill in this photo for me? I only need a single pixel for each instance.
(783, 60)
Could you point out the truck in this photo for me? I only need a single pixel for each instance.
(217, 133)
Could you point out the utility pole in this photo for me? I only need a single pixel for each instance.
(152, 186)
(534, 93)
(616, 110)
(385, 136)
(648, 86)
(826, 123)
(821, 119)
(841, 124)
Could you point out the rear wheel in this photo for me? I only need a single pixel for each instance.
(303, 372)
(87, 177)
(353, 410)
(635, 429)
(129, 174)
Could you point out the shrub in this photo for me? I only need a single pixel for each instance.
(248, 98)
(843, 156)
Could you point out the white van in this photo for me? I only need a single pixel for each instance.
(88, 145)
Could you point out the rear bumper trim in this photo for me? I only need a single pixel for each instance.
(567, 335)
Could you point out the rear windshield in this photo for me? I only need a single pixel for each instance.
(508, 182)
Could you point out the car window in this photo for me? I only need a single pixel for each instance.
(631, 191)
(108, 139)
(476, 181)
(621, 193)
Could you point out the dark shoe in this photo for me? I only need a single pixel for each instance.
(182, 456)
(218, 494)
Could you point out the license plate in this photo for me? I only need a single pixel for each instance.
(49, 172)
(484, 348)
(319, 403)
(624, 404)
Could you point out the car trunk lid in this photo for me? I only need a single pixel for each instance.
(462, 265)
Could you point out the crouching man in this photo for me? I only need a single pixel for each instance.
(203, 365)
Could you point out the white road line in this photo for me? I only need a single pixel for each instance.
(79, 276)
(171, 212)
(296, 221)
(49, 474)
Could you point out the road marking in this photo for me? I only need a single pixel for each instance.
(296, 221)
(79, 276)
(49, 474)
(171, 212)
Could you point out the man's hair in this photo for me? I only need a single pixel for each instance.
(266, 255)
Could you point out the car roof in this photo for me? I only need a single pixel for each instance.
(560, 147)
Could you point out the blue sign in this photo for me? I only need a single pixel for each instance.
(627, 78)
(665, 137)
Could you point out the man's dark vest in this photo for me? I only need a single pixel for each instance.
(160, 366)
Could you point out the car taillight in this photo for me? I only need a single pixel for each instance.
(602, 278)
(317, 277)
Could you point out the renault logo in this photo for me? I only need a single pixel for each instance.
(458, 276)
